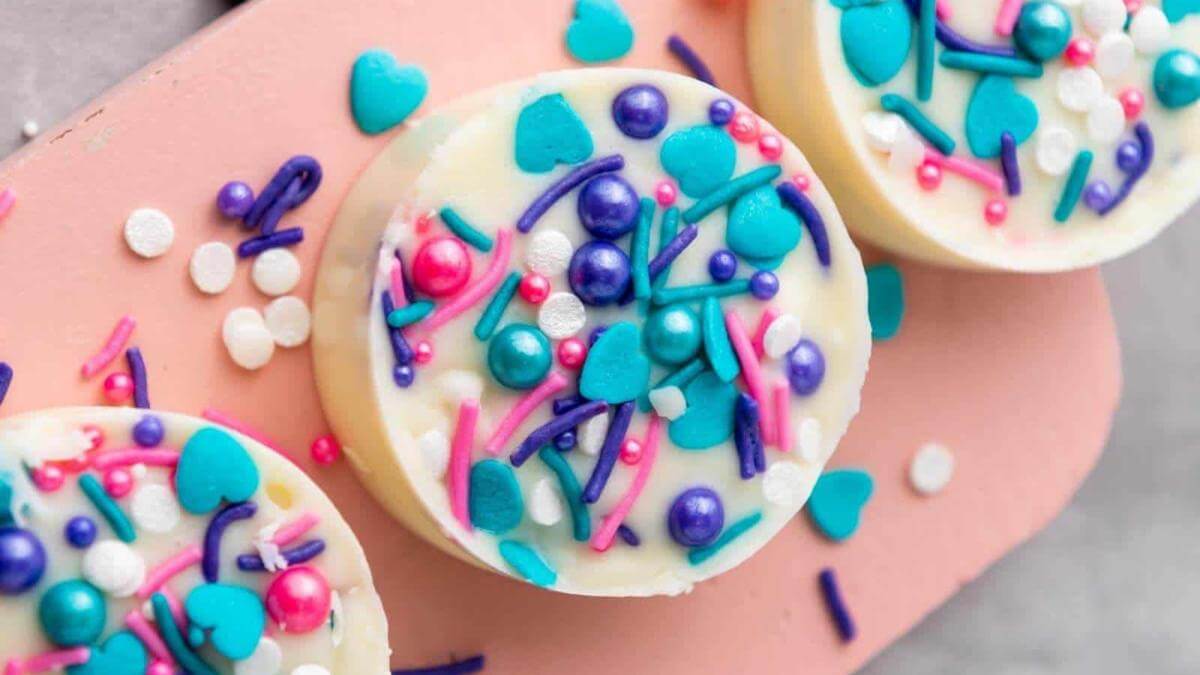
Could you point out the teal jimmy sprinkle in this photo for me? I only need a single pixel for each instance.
(176, 644)
(581, 524)
(730, 191)
(464, 230)
(641, 250)
(698, 556)
(926, 31)
(491, 315)
(667, 296)
(988, 63)
(108, 508)
(1074, 187)
(409, 314)
(930, 131)
(526, 561)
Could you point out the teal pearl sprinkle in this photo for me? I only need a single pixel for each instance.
(519, 356)
(1043, 29)
(72, 613)
(672, 334)
(1177, 79)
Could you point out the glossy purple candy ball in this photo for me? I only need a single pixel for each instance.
(403, 374)
(640, 111)
(1097, 195)
(22, 560)
(565, 441)
(696, 517)
(720, 112)
(80, 531)
(608, 206)
(764, 285)
(722, 265)
(1129, 156)
(805, 367)
(598, 273)
(235, 199)
(149, 431)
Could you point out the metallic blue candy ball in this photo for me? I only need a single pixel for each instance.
(1129, 156)
(696, 517)
(720, 112)
(764, 285)
(805, 367)
(22, 560)
(598, 273)
(149, 431)
(640, 111)
(608, 206)
(1097, 195)
(403, 375)
(80, 531)
(722, 265)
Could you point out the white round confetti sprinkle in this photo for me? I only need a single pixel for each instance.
(668, 402)
(1150, 30)
(246, 337)
(808, 439)
(545, 506)
(288, 320)
(1106, 121)
(154, 509)
(1079, 88)
(1056, 148)
(908, 153)
(276, 271)
(457, 386)
(781, 335)
(1114, 54)
(212, 267)
(435, 448)
(266, 659)
(931, 468)
(549, 252)
(591, 434)
(882, 129)
(310, 669)
(1104, 16)
(113, 567)
(30, 129)
(561, 315)
(784, 484)
(149, 232)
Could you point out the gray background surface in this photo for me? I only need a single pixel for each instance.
(1110, 587)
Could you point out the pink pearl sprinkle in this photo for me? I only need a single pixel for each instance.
(770, 147)
(118, 482)
(1080, 51)
(1133, 101)
(160, 668)
(118, 387)
(665, 193)
(423, 352)
(534, 288)
(424, 222)
(929, 176)
(744, 127)
(802, 182)
(571, 353)
(995, 212)
(325, 450)
(631, 451)
(1132, 6)
(48, 477)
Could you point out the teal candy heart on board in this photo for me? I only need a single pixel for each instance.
(1178, 10)
(616, 369)
(995, 107)
(701, 158)
(121, 654)
(876, 40)
(384, 93)
(549, 132)
(214, 466)
(233, 616)
(885, 300)
(495, 503)
(760, 229)
(708, 419)
(837, 501)
(600, 32)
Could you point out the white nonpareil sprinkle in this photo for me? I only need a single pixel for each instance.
(30, 129)
(545, 506)
(288, 320)
(784, 484)
(1104, 16)
(561, 316)
(668, 402)
(266, 659)
(1106, 121)
(435, 449)
(212, 267)
(883, 128)
(276, 271)
(154, 509)
(931, 468)
(1150, 30)
(591, 434)
(247, 338)
(149, 232)
(1114, 54)
(808, 439)
(781, 335)
(113, 567)
(1079, 88)
(457, 386)
(549, 253)
(310, 669)
(1056, 148)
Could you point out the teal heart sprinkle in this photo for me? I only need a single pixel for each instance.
(708, 419)
(700, 158)
(233, 616)
(527, 563)
(548, 133)
(121, 654)
(616, 369)
(214, 466)
(760, 229)
(1178, 10)
(837, 501)
(885, 300)
(876, 40)
(996, 107)
(600, 32)
(495, 502)
(384, 93)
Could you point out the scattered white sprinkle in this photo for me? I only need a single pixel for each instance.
(457, 386)
(212, 267)
(908, 153)
(883, 128)
(591, 434)
(310, 669)
(784, 484)
(561, 315)
(149, 232)
(545, 506)
(30, 129)
(1114, 54)
(276, 271)
(931, 468)
(138, 471)
(337, 619)
(1106, 121)
(269, 553)
(808, 439)
(1150, 30)
(154, 509)
(1104, 16)
(1056, 148)
(288, 320)
(1079, 88)
(668, 402)
(113, 567)
(549, 252)
(266, 659)
(435, 449)
(781, 335)
(245, 334)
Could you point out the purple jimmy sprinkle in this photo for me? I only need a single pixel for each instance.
(290, 187)
(1009, 164)
(691, 59)
(1142, 131)
(256, 245)
(628, 536)
(797, 201)
(6, 376)
(665, 257)
(210, 564)
(400, 347)
(252, 562)
(408, 291)
(564, 185)
(568, 403)
(836, 605)
(270, 220)
(747, 437)
(952, 40)
(137, 370)
(546, 433)
(609, 452)
(471, 665)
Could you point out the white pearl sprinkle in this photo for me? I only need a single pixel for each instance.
(1104, 16)
(1079, 88)
(591, 434)
(30, 129)
(1056, 148)
(549, 252)
(212, 267)
(668, 402)
(149, 232)
(908, 153)
(931, 468)
(781, 335)
(545, 506)
(882, 129)
(561, 315)
(154, 509)
(1106, 121)
(113, 567)
(276, 271)
(784, 484)
(249, 342)
(266, 659)
(1114, 54)
(808, 439)
(457, 386)
(288, 320)
(435, 448)
(1150, 30)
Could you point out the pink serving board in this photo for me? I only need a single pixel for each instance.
(1019, 375)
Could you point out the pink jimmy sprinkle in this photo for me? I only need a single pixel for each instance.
(214, 415)
(295, 529)
(752, 371)
(142, 629)
(1006, 17)
(603, 538)
(460, 460)
(783, 415)
(7, 199)
(130, 456)
(111, 349)
(522, 410)
(969, 170)
(484, 286)
(760, 332)
(167, 569)
(399, 297)
(48, 661)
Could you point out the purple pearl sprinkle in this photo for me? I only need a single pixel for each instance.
(1146, 139)
(210, 563)
(1129, 156)
(598, 273)
(149, 431)
(565, 441)
(22, 560)
(557, 190)
(256, 245)
(722, 266)
(640, 111)
(805, 367)
(252, 562)
(235, 199)
(764, 285)
(720, 112)
(80, 532)
(609, 451)
(403, 375)
(696, 517)
(684, 52)
(608, 207)
(1097, 195)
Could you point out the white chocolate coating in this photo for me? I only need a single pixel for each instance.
(804, 85)
(462, 155)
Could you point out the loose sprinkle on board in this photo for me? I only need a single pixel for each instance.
(149, 233)
(931, 468)
(690, 59)
(838, 612)
(464, 667)
(6, 378)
